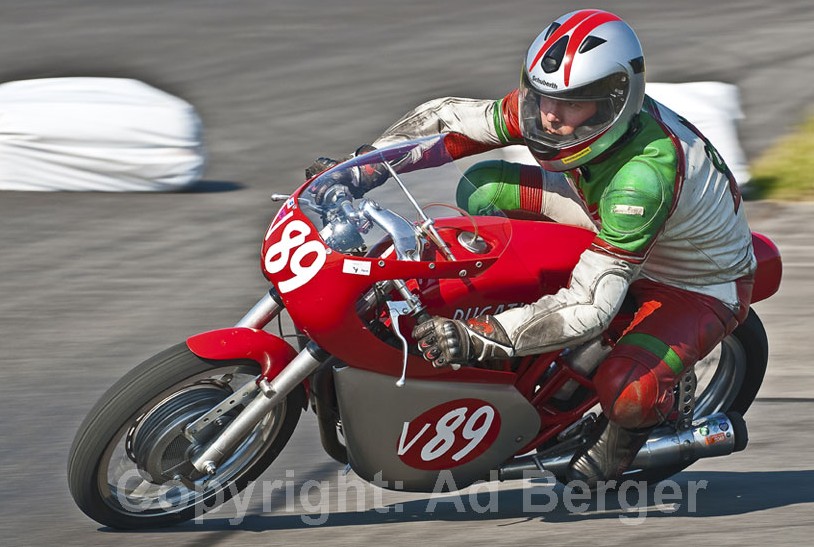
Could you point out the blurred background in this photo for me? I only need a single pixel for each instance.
(93, 283)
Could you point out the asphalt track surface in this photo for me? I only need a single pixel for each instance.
(91, 284)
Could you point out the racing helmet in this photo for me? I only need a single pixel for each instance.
(589, 60)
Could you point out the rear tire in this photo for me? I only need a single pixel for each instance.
(729, 385)
(135, 432)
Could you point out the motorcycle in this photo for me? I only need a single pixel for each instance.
(197, 422)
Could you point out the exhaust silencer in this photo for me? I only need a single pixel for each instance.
(716, 435)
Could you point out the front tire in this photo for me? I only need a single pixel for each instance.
(129, 463)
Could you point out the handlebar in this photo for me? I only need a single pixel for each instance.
(401, 231)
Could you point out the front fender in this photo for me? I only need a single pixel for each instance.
(271, 352)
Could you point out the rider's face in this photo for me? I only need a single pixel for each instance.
(563, 117)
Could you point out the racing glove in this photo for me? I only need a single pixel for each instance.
(450, 342)
(358, 180)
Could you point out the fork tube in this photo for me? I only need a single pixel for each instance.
(266, 309)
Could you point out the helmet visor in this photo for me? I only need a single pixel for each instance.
(560, 120)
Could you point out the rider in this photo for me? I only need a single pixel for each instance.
(670, 229)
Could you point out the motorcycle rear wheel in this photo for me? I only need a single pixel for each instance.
(129, 464)
(728, 381)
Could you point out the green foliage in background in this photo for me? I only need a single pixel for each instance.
(786, 170)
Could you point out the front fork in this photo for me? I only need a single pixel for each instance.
(283, 381)
(261, 314)
(271, 393)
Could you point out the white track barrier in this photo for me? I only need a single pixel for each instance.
(99, 134)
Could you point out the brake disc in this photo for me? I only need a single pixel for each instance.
(159, 447)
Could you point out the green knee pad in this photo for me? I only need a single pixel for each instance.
(489, 186)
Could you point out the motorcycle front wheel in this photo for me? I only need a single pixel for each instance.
(129, 466)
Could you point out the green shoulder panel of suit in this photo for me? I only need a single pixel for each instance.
(634, 190)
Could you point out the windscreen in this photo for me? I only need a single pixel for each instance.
(412, 175)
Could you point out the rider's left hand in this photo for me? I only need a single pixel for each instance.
(450, 342)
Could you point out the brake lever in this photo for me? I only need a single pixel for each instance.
(397, 309)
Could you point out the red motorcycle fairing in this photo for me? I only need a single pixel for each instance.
(505, 273)
(324, 305)
(271, 352)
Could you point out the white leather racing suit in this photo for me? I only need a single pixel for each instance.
(663, 204)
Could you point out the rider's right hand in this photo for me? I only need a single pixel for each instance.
(450, 342)
(358, 180)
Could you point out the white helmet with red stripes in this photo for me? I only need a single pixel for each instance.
(582, 85)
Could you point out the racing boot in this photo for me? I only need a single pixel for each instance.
(608, 453)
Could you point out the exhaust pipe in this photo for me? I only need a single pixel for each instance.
(716, 435)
